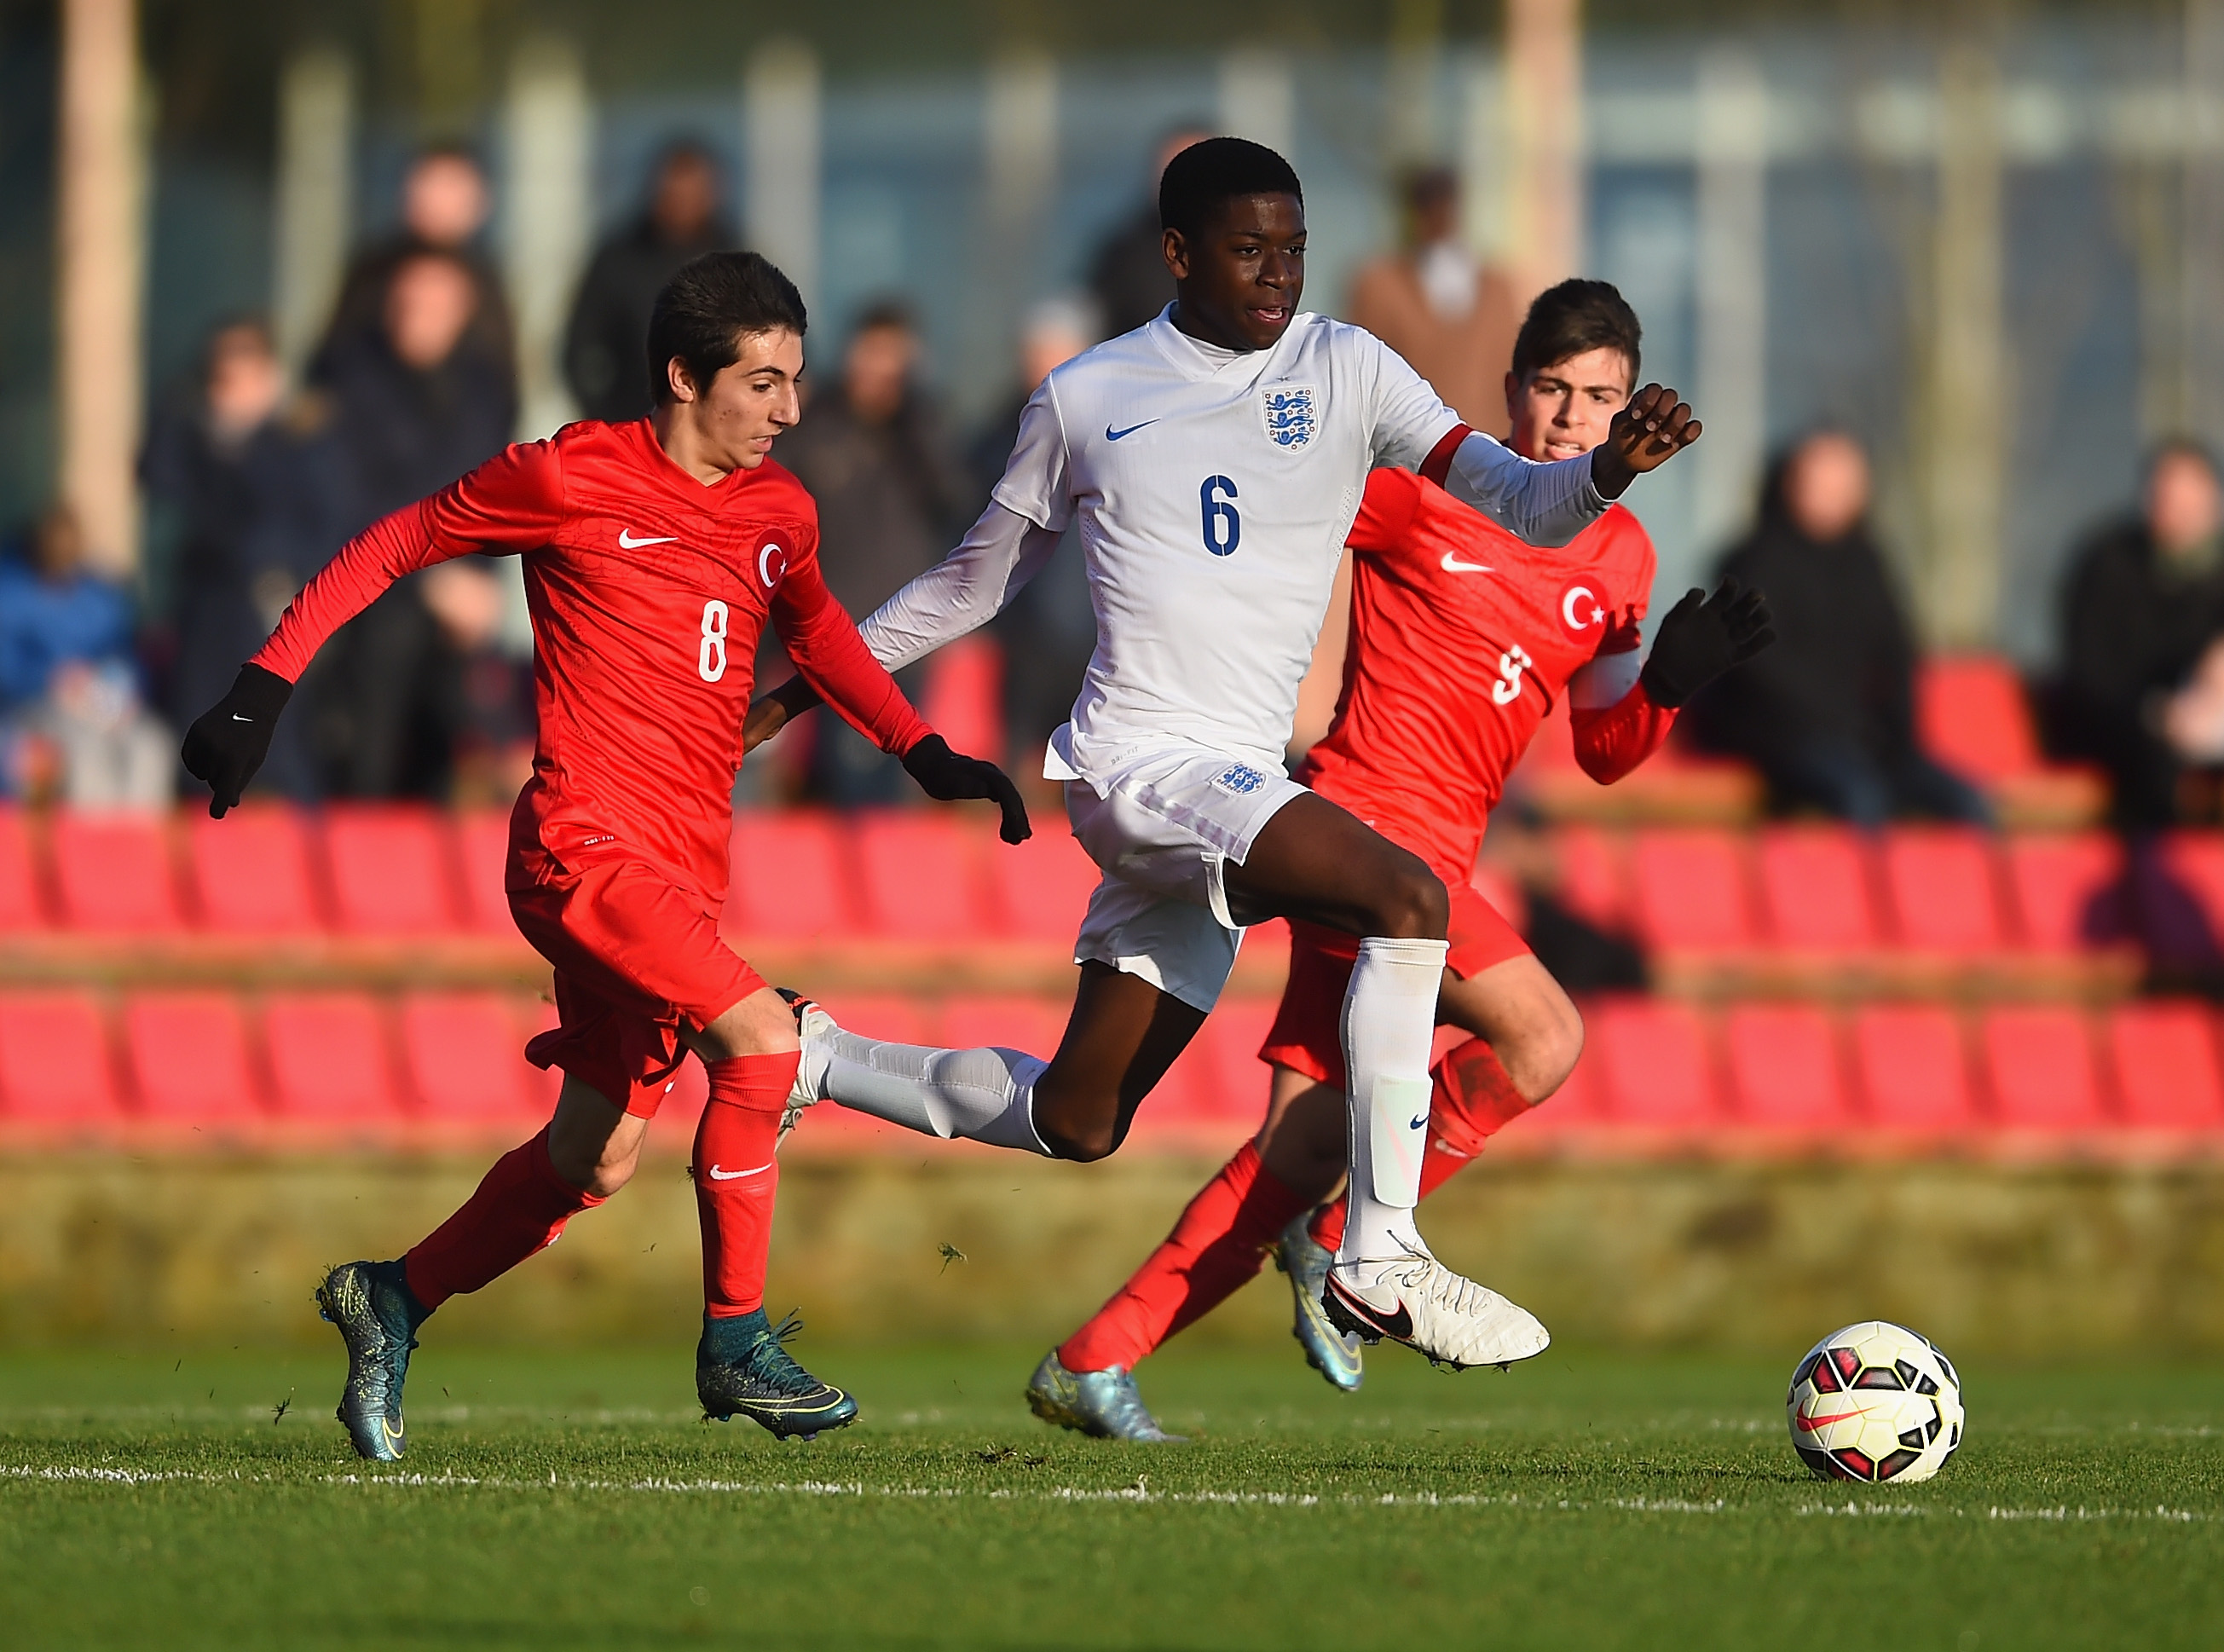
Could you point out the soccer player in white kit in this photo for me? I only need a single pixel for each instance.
(1214, 459)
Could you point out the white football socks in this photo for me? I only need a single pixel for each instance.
(986, 1095)
(1389, 1022)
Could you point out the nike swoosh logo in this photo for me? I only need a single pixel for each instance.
(236, 718)
(628, 542)
(1111, 435)
(1808, 1425)
(1420, 1124)
(1453, 565)
(717, 1174)
(393, 1434)
(1398, 1327)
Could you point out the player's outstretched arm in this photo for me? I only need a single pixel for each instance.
(840, 671)
(1622, 709)
(1651, 430)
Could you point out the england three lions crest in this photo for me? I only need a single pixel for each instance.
(1291, 414)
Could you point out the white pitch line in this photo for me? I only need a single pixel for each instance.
(1140, 1492)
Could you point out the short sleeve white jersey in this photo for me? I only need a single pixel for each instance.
(1213, 489)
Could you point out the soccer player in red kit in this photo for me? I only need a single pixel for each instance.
(1462, 638)
(655, 554)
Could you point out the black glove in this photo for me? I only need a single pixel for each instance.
(227, 742)
(944, 775)
(1703, 637)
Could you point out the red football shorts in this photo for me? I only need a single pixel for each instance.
(635, 956)
(1308, 1032)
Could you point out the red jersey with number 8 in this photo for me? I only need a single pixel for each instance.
(648, 592)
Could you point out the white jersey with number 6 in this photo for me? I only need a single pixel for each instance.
(1214, 489)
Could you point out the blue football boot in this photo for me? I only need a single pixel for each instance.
(1104, 1404)
(377, 1316)
(742, 1369)
(1331, 1352)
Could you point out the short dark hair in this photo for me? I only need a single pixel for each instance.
(887, 311)
(1203, 177)
(709, 306)
(1574, 318)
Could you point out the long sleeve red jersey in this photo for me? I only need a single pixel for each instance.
(648, 592)
(1461, 637)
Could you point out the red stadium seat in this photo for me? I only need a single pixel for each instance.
(2165, 1062)
(1817, 889)
(483, 844)
(1691, 893)
(2041, 1060)
(113, 873)
(250, 872)
(54, 1066)
(1653, 1065)
(2062, 883)
(1914, 1070)
(1972, 714)
(189, 1056)
(19, 884)
(1039, 890)
(1784, 1068)
(791, 877)
(392, 867)
(1013, 1022)
(1593, 882)
(1940, 881)
(463, 1051)
(919, 875)
(329, 1063)
(964, 697)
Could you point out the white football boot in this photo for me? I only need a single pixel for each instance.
(812, 1025)
(1416, 1299)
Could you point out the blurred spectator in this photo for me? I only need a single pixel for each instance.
(417, 407)
(1828, 714)
(891, 498)
(1452, 319)
(1521, 873)
(1128, 275)
(445, 204)
(604, 341)
(2142, 685)
(69, 688)
(1049, 630)
(257, 484)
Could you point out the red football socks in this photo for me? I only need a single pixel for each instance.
(738, 1177)
(1472, 1100)
(519, 1208)
(1218, 1245)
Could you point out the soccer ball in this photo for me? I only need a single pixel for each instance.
(1874, 1401)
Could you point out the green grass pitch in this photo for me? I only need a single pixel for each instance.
(571, 1500)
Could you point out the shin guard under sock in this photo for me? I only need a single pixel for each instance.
(519, 1207)
(1218, 1246)
(1389, 1021)
(738, 1177)
(1472, 1099)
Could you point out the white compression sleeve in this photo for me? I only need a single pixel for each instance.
(1389, 1021)
(1544, 503)
(967, 588)
(986, 1095)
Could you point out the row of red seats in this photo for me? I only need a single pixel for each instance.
(352, 1063)
(199, 1061)
(1914, 1069)
(398, 871)
(1828, 889)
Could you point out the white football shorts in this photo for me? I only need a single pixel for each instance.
(1162, 827)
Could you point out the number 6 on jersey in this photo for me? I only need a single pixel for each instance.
(710, 661)
(1223, 528)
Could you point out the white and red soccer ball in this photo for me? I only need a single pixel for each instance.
(1876, 1402)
